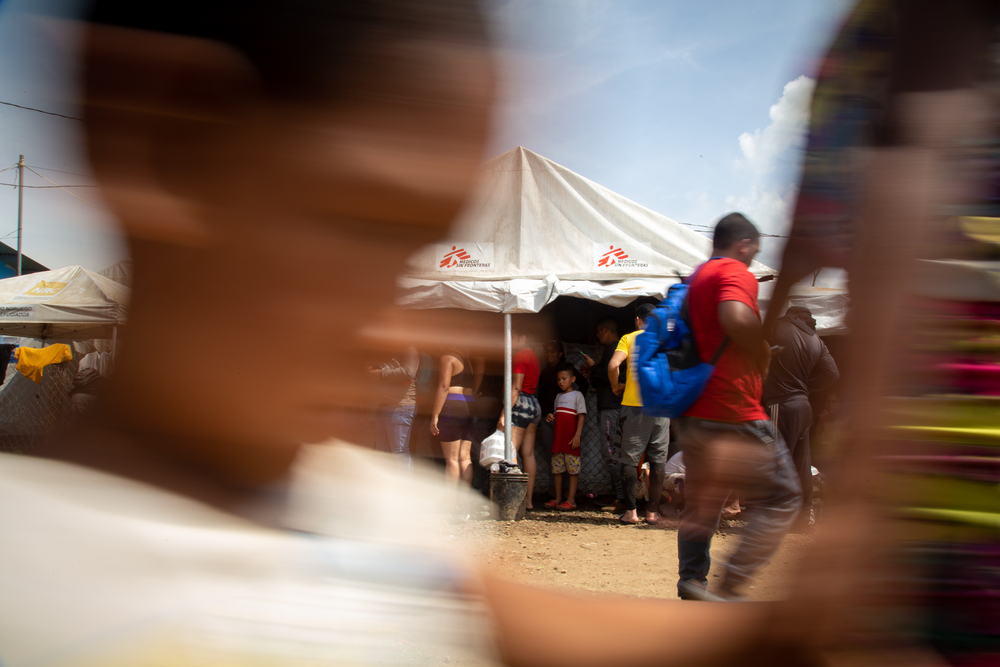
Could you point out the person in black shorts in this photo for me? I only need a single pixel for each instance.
(451, 417)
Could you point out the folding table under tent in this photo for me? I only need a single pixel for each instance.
(534, 231)
(64, 304)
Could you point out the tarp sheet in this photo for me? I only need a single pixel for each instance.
(531, 218)
(65, 304)
(534, 231)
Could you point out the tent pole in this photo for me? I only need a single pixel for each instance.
(508, 381)
(114, 342)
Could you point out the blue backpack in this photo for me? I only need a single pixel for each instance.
(670, 372)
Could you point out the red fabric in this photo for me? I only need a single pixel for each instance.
(526, 363)
(568, 405)
(565, 429)
(734, 390)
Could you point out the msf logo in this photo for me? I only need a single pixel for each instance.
(611, 257)
(452, 258)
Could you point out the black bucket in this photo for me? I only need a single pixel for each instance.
(509, 493)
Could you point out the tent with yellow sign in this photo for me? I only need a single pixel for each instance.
(65, 304)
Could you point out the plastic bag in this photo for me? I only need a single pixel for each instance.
(491, 451)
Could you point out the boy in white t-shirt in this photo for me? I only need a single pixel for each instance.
(570, 409)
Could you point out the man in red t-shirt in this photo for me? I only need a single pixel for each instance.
(727, 440)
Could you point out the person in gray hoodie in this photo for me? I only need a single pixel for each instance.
(803, 366)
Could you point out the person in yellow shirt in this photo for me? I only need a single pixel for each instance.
(637, 433)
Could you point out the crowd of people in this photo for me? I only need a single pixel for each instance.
(757, 402)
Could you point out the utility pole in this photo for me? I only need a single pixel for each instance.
(20, 205)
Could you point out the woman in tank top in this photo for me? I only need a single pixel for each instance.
(451, 418)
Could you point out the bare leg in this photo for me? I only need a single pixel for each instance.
(571, 496)
(557, 478)
(452, 470)
(656, 475)
(465, 462)
(526, 450)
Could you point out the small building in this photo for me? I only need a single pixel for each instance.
(8, 263)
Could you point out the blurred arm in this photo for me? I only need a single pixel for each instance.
(541, 628)
(825, 373)
(616, 361)
(742, 325)
(402, 371)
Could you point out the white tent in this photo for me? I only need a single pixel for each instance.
(120, 272)
(535, 231)
(65, 304)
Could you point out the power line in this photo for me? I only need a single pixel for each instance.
(705, 229)
(42, 187)
(49, 113)
(58, 171)
(67, 191)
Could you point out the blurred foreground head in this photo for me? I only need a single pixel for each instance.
(273, 165)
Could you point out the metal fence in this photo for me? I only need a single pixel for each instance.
(29, 411)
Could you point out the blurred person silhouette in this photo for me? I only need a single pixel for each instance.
(397, 404)
(899, 187)
(182, 522)
(803, 367)
(609, 403)
(420, 433)
(727, 439)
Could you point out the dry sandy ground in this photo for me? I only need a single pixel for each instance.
(588, 550)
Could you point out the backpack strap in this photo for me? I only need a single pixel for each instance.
(722, 348)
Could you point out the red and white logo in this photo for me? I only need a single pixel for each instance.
(621, 256)
(464, 256)
(611, 257)
(454, 257)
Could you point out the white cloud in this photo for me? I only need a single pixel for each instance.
(769, 209)
(769, 155)
(766, 149)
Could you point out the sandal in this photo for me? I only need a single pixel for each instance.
(621, 520)
(565, 506)
(551, 505)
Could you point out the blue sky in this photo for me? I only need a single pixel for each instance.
(691, 109)
(651, 98)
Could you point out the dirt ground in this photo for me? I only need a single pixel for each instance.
(588, 550)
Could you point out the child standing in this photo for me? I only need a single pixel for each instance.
(570, 409)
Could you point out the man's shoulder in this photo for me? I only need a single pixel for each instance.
(526, 354)
(723, 269)
(785, 330)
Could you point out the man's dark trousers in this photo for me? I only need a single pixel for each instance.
(793, 418)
